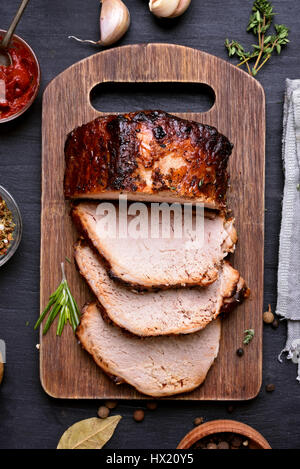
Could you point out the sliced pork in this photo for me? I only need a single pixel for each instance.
(150, 156)
(159, 263)
(176, 311)
(155, 366)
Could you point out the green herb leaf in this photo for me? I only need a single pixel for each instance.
(249, 334)
(61, 303)
(91, 433)
(260, 21)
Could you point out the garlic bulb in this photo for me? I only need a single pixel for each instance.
(114, 22)
(168, 8)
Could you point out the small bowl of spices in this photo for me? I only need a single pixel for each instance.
(10, 226)
(20, 81)
(223, 434)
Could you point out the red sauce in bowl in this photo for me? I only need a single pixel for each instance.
(20, 81)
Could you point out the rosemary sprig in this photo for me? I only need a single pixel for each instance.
(260, 21)
(61, 303)
(249, 334)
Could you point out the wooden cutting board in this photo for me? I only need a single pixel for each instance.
(239, 113)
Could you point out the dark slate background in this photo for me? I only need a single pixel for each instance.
(28, 417)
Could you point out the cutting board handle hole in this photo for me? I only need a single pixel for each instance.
(175, 97)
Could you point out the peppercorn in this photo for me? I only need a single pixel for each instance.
(236, 442)
(270, 387)
(240, 352)
(7, 227)
(151, 405)
(111, 404)
(198, 421)
(223, 445)
(200, 445)
(268, 316)
(211, 446)
(103, 412)
(275, 324)
(223, 441)
(139, 415)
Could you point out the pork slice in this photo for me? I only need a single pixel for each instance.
(175, 311)
(160, 263)
(150, 156)
(155, 366)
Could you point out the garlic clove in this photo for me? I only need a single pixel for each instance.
(114, 21)
(181, 8)
(164, 8)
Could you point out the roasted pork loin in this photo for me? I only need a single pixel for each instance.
(176, 311)
(150, 156)
(160, 263)
(155, 366)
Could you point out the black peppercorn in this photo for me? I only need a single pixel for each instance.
(240, 352)
(270, 387)
(275, 324)
(151, 405)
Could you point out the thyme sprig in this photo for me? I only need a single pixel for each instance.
(249, 334)
(61, 303)
(260, 21)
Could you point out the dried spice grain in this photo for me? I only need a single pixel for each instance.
(270, 387)
(151, 405)
(111, 404)
(268, 316)
(275, 324)
(7, 227)
(230, 409)
(139, 415)
(198, 421)
(211, 446)
(236, 442)
(223, 445)
(103, 412)
(224, 440)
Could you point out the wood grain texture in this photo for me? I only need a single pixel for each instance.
(239, 113)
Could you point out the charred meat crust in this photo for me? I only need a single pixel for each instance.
(240, 293)
(113, 154)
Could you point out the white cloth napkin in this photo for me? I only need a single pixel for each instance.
(288, 300)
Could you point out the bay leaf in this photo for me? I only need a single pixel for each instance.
(91, 433)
